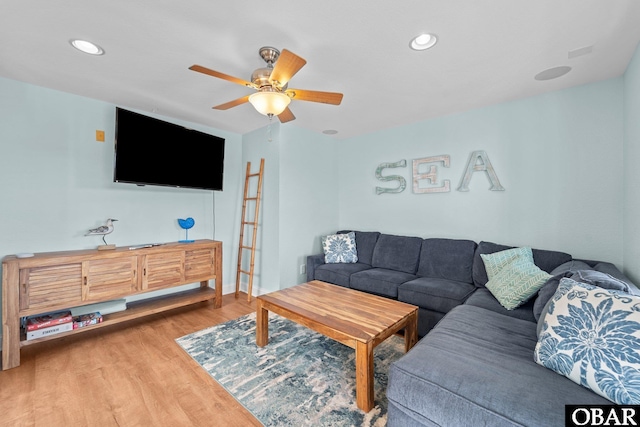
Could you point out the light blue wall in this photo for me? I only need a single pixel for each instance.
(256, 146)
(299, 202)
(56, 181)
(558, 155)
(632, 169)
(308, 198)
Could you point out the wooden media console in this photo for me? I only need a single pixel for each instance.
(61, 280)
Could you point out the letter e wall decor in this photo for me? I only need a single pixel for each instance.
(431, 175)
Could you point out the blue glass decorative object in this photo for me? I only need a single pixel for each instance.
(186, 224)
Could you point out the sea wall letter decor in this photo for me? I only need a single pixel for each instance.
(402, 182)
(478, 162)
(431, 175)
(483, 166)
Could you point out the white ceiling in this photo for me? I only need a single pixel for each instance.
(488, 52)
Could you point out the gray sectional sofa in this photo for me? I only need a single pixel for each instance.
(475, 362)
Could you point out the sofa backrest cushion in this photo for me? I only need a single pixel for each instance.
(397, 253)
(545, 260)
(447, 259)
(365, 243)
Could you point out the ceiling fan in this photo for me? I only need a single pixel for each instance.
(271, 82)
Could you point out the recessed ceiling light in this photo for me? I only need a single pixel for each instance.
(86, 47)
(330, 132)
(553, 73)
(423, 41)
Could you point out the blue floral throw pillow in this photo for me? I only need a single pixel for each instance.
(340, 248)
(592, 336)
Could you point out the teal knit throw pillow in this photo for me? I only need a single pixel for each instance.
(516, 282)
(496, 261)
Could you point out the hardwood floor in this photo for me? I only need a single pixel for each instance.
(132, 374)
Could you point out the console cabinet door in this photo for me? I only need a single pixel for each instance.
(162, 270)
(110, 278)
(51, 287)
(199, 264)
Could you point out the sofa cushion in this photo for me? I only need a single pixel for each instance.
(340, 248)
(427, 319)
(338, 274)
(517, 282)
(365, 243)
(435, 294)
(476, 368)
(380, 281)
(590, 335)
(545, 260)
(398, 253)
(483, 298)
(447, 259)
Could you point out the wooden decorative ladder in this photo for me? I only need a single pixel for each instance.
(241, 246)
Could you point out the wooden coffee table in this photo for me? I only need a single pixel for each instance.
(356, 319)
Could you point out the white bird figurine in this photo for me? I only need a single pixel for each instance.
(102, 230)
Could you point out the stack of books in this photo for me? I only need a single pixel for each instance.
(87, 320)
(60, 321)
(48, 324)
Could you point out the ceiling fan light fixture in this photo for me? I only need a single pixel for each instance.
(87, 47)
(267, 102)
(423, 41)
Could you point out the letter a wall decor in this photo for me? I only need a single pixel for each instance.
(483, 166)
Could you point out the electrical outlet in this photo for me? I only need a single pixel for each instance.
(303, 269)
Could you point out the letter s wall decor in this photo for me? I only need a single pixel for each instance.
(402, 182)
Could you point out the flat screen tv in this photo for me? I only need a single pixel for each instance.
(149, 151)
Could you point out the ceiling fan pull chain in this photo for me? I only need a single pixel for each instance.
(269, 138)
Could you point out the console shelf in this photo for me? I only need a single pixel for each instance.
(60, 280)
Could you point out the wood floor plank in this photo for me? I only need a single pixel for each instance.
(129, 374)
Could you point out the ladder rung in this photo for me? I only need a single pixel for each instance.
(249, 222)
(245, 272)
(246, 247)
(254, 174)
(251, 198)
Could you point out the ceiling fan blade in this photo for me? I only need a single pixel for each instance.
(287, 65)
(286, 116)
(333, 98)
(231, 104)
(210, 72)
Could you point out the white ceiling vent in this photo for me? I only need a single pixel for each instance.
(581, 51)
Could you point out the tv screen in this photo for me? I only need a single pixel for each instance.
(155, 152)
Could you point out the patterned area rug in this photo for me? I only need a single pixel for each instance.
(301, 378)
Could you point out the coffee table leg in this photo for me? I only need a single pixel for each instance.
(262, 324)
(364, 376)
(411, 331)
